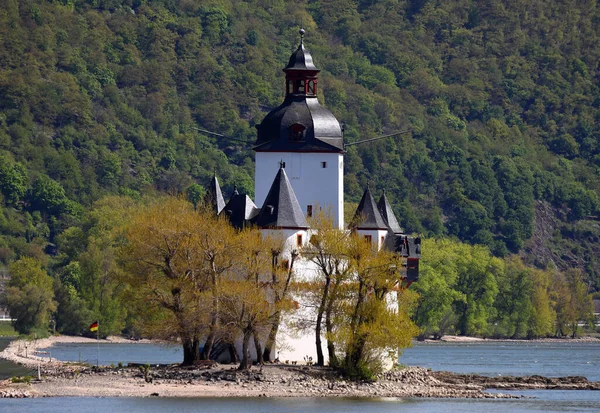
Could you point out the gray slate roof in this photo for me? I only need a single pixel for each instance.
(367, 215)
(388, 214)
(301, 59)
(240, 209)
(214, 196)
(323, 131)
(281, 208)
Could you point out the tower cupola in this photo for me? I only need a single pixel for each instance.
(305, 136)
(300, 72)
(300, 123)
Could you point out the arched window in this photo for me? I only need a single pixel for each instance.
(297, 132)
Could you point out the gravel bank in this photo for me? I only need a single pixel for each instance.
(213, 380)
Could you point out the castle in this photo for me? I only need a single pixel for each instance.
(299, 168)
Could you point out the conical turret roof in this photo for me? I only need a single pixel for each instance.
(387, 214)
(240, 209)
(281, 208)
(367, 215)
(214, 196)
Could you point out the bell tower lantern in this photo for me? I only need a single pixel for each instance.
(307, 138)
(301, 73)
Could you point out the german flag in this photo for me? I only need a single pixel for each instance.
(94, 326)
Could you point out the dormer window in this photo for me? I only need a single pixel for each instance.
(297, 132)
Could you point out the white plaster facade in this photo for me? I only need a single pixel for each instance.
(377, 236)
(316, 177)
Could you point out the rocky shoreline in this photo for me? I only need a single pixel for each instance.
(272, 380)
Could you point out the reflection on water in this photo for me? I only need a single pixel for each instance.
(9, 369)
(115, 353)
(491, 358)
(548, 401)
(553, 359)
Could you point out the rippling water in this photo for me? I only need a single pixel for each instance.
(488, 358)
(546, 401)
(552, 359)
(8, 369)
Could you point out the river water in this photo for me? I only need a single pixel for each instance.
(488, 358)
(8, 369)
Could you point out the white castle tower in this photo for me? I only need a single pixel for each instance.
(307, 138)
(299, 167)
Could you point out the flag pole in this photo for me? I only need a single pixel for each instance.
(98, 346)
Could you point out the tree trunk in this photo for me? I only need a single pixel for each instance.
(233, 354)
(210, 341)
(246, 362)
(258, 347)
(333, 361)
(191, 355)
(353, 351)
(272, 337)
(277, 316)
(320, 312)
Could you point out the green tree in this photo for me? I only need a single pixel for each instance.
(29, 297)
(477, 272)
(513, 304)
(438, 277)
(48, 196)
(13, 180)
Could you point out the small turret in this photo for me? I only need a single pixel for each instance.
(367, 216)
(387, 214)
(214, 196)
(281, 208)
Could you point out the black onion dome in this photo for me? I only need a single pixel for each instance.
(321, 131)
(301, 59)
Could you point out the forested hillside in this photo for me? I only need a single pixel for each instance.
(102, 97)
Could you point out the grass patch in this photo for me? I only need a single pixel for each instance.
(21, 379)
(6, 329)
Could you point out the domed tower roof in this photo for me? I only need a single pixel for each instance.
(300, 123)
(301, 59)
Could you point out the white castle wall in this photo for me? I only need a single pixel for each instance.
(313, 184)
(377, 236)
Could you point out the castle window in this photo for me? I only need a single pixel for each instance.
(299, 240)
(382, 240)
(309, 210)
(312, 87)
(297, 132)
(323, 164)
(300, 86)
(369, 239)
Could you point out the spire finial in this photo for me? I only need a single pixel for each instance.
(302, 31)
(281, 164)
